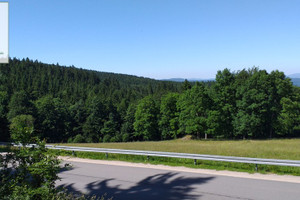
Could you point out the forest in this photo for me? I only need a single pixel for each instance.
(67, 104)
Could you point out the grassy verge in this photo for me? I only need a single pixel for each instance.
(277, 149)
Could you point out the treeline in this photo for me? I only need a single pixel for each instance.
(245, 104)
(67, 104)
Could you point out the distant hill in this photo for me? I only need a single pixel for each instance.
(174, 79)
(296, 81)
(189, 79)
(296, 75)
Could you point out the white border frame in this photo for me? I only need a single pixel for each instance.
(6, 59)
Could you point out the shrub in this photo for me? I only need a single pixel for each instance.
(35, 172)
(125, 137)
(21, 129)
(78, 139)
(106, 138)
(70, 140)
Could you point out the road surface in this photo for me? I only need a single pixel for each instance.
(130, 183)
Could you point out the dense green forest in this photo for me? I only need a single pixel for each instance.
(67, 104)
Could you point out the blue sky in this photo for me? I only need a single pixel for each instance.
(158, 38)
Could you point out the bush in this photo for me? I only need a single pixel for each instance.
(125, 137)
(106, 138)
(78, 139)
(35, 172)
(89, 140)
(70, 140)
(113, 139)
(116, 138)
(21, 129)
(34, 178)
(31, 173)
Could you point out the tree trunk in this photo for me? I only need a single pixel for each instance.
(198, 135)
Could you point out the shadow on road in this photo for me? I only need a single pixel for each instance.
(167, 186)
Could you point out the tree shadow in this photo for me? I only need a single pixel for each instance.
(168, 186)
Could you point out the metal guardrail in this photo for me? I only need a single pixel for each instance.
(16, 145)
(195, 157)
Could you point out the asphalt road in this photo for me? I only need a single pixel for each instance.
(130, 183)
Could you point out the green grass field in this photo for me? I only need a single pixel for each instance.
(276, 149)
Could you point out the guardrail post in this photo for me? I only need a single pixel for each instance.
(147, 158)
(106, 155)
(73, 153)
(256, 168)
(195, 162)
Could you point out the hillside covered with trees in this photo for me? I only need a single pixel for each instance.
(67, 104)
